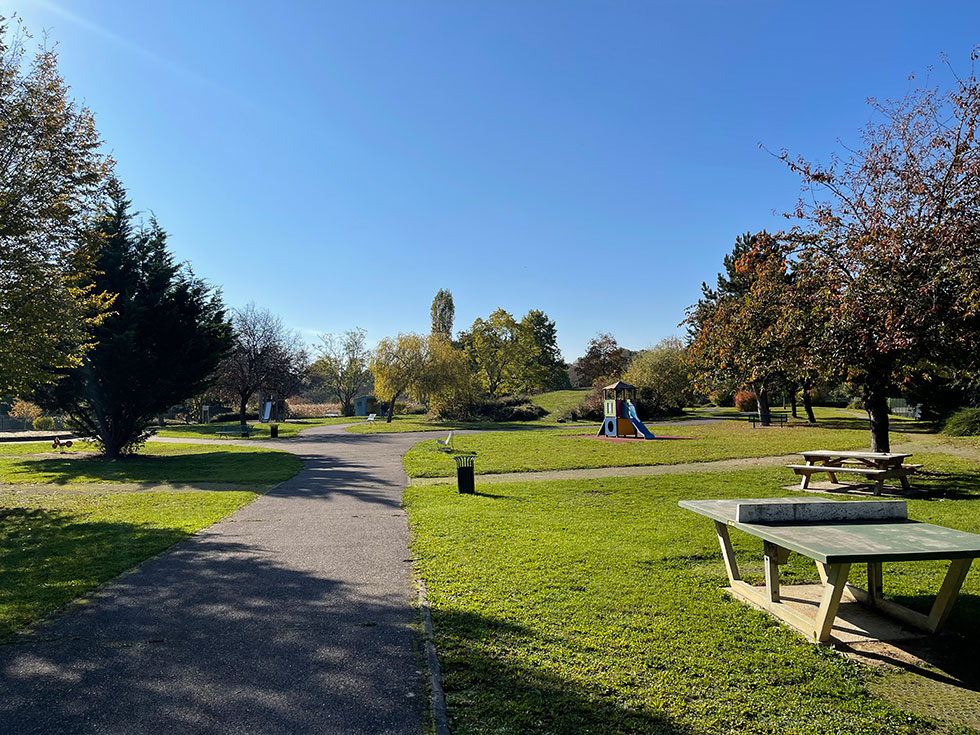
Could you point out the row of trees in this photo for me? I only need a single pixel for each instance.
(878, 282)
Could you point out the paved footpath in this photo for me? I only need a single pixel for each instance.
(293, 615)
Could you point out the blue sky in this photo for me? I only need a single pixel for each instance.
(339, 162)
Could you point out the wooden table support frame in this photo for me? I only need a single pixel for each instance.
(834, 578)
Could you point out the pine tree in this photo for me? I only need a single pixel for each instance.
(164, 337)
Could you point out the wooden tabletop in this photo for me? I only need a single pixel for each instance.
(848, 542)
(827, 454)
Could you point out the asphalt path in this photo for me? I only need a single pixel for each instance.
(293, 615)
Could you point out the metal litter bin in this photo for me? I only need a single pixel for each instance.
(464, 472)
(274, 431)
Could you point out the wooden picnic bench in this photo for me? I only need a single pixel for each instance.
(875, 466)
(837, 534)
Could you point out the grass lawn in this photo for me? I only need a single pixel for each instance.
(57, 546)
(156, 462)
(528, 451)
(560, 400)
(596, 607)
(419, 423)
(287, 429)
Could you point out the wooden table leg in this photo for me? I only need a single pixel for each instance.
(905, 483)
(836, 575)
(771, 552)
(874, 580)
(947, 594)
(727, 552)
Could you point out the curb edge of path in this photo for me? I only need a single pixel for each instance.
(440, 719)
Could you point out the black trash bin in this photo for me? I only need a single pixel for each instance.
(274, 431)
(464, 472)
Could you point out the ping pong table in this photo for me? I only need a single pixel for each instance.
(837, 534)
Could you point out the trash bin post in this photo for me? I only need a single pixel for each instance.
(274, 431)
(464, 473)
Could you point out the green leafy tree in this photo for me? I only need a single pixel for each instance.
(888, 242)
(443, 311)
(544, 334)
(398, 365)
(52, 177)
(603, 358)
(166, 334)
(342, 365)
(505, 357)
(662, 378)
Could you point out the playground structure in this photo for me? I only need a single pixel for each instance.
(619, 413)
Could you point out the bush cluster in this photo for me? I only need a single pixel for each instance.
(507, 408)
(222, 418)
(44, 423)
(745, 400)
(965, 422)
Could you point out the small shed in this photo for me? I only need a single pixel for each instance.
(365, 405)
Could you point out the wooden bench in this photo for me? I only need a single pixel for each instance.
(239, 432)
(877, 475)
(774, 418)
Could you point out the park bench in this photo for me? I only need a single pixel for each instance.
(836, 534)
(774, 418)
(238, 431)
(371, 417)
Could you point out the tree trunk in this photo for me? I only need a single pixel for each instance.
(762, 399)
(808, 405)
(792, 403)
(242, 408)
(391, 408)
(876, 404)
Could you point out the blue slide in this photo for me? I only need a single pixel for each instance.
(635, 420)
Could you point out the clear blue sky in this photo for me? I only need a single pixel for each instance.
(339, 162)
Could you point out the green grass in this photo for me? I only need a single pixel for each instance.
(560, 400)
(57, 546)
(596, 607)
(287, 429)
(401, 424)
(529, 451)
(157, 462)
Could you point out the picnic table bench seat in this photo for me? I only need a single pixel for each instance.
(243, 433)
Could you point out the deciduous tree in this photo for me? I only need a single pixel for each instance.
(52, 178)
(889, 237)
(603, 358)
(343, 365)
(443, 311)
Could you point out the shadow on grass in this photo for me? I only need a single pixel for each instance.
(488, 690)
(947, 485)
(225, 467)
(215, 636)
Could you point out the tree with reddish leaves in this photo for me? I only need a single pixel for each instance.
(888, 245)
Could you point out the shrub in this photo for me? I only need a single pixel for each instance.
(965, 422)
(222, 418)
(416, 409)
(24, 411)
(722, 397)
(302, 410)
(44, 423)
(745, 400)
(507, 408)
(857, 403)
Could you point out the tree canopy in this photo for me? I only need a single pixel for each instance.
(342, 364)
(165, 335)
(442, 312)
(52, 179)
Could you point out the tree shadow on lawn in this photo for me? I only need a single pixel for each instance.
(219, 636)
(490, 692)
(224, 467)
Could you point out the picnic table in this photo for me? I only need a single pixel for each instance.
(875, 466)
(837, 534)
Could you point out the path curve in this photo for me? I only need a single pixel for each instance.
(293, 615)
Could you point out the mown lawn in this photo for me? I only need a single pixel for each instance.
(529, 451)
(156, 462)
(557, 401)
(57, 546)
(420, 423)
(287, 429)
(596, 607)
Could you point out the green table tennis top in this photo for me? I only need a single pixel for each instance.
(838, 542)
